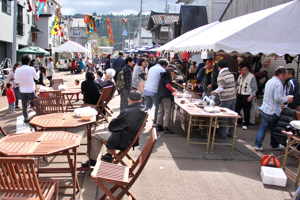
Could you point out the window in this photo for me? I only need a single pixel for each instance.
(6, 6)
(20, 25)
(76, 32)
(28, 18)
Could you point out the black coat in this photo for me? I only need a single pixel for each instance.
(118, 64)
(286, 116)
(163, 91)
(125, 127)
(91, 90)
(107, 65)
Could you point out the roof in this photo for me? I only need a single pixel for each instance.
(192, 17)
(155, 19)
(78, 22)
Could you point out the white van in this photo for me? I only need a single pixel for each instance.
(63, 60)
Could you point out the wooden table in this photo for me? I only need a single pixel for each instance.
(44, 144)
(64, 121)
(68, 96)
(196, 115)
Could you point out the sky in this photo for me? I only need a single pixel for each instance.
(122, 7)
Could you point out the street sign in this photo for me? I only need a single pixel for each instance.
(124, 32)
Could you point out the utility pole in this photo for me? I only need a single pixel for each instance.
(129, 37)
(140, 35)
(14, 44)
(167, 10)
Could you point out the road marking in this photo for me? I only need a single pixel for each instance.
(251, 148)
(3, 108)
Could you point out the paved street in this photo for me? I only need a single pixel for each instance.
(171, 172)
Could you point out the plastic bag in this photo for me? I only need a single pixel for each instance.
(62, 87)
(210, 99)
(88, 109)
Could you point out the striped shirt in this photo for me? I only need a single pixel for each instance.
(226, 85)
(273, 97)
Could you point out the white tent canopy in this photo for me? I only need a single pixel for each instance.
(271, 31)
(169, 46)
(71, 46)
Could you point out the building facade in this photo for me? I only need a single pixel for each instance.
(78, 31)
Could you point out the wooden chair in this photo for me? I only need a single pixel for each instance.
(119, 174)
(48, 105)
(56, 82)
(108, 110)
(2, 131)
(46, 94)
(105, 97)
(118, 157)
(18, 180)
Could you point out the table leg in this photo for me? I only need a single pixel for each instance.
(209, 134)
(286, 152)
(233, 139)
(172, 114)
(89, 136)
(73, 171)
(189, 131)
(214, 134)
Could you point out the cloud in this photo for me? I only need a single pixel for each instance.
(121, 7)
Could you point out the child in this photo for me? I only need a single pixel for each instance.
(10, 97)
(90, 67)
(77, 95)
(99, 77)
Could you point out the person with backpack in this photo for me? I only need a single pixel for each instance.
(118, 64)
(124, 82)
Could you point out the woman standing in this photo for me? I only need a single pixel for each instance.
(143, 62)
(108, 62)
(49, 70)
(11, 78)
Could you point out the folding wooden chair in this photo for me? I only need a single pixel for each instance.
(119, 174)
(56, 82)
(102, 102)
(18, 180)
(2, 131)
(118, 157)
(48, 105)
(108, 110)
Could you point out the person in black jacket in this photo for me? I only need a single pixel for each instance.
(291, 87)
(108, 62)
(118, 64)
(122, 130)
(165, 98)
(91, 89)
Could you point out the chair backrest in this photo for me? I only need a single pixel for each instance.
(2, 131)
(46, 94)
(105, 95)
(113, 92)
(17, 175)
(48, 105)
(138, 133)
(143, 158)
(56, 82)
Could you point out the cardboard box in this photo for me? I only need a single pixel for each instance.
(273, 176)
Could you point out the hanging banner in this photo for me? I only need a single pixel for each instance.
(39, 5)
(111, 38)
(124, 21)
(56, 29)
(29, 6)
(93, 23)
(162, 19)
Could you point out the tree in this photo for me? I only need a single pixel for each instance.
(103, 41)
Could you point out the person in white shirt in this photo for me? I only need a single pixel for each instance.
(24, 76)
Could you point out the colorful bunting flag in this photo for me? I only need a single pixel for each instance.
(39, 5)
(111, 38)
(29, 6)
(56, 29)
(124, 21)
(162, 19)
(92, 23)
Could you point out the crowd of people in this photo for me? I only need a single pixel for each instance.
(142, 83)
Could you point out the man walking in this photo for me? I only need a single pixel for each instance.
(24, 76)
(271, 108)
(226, 91)
(291, 87)
(151, 86)
(96, 62)
(129, 62)
(247, 89)
(118, 64)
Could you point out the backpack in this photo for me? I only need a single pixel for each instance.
(120, 83)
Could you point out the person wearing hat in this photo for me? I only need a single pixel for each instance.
(121, 130)
(165, 99)
(226, 91)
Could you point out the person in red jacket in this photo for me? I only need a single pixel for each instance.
(11, 98)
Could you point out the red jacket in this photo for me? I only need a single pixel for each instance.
(10, 96)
